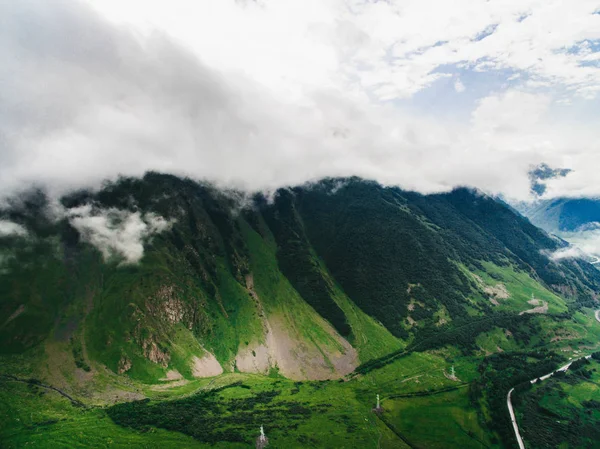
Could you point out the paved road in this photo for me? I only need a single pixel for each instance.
(514, 420)
(509, 403)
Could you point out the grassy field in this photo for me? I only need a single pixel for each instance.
(323, 414)
(428, 420)
(339, 415)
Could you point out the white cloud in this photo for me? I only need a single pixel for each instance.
(570, 252)
(584, 244)
(459, 86)
(257, 95)
(8, 228)
(116, 232)
(392, 47)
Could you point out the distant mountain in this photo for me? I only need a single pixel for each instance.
(559, 214)
(562, 214)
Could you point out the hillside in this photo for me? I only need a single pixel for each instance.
(160, 287)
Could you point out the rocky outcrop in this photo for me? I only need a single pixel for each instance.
(124, 365)
(297, 359)
(166, 306)
(153, 353)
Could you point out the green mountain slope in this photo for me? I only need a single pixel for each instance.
(339, 279)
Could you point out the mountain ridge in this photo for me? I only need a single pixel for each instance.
(201, 271)
(158, 288)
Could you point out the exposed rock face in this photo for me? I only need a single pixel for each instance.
(166, 305)
(124, 365)
(256, 358)
(296, 359)
(207, 366)
(495, 292)
(153, 353)
(173, 310)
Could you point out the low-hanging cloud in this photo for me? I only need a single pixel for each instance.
(117, 233)
(83, 100)
(570, 252)
(9, 228)
(584, 244)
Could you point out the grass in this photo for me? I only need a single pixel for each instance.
(345, 419)
(183, 348)
(237, 324)
(520, 286)
(31, 417)
(429, 421)
(496, 340)
(47, 421)
(418, 372)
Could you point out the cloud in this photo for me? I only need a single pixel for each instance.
(259, 95)
(8, 228)
(570, 252)
(459, 86)
(395, 48)
(116, 232)
(585, 244)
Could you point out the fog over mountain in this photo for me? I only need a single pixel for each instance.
(258, 95)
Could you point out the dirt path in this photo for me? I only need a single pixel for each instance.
(39, 384)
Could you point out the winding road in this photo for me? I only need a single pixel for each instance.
(513, 419)
(509, 403)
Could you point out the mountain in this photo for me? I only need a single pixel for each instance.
(148, 286)
(562, 214)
